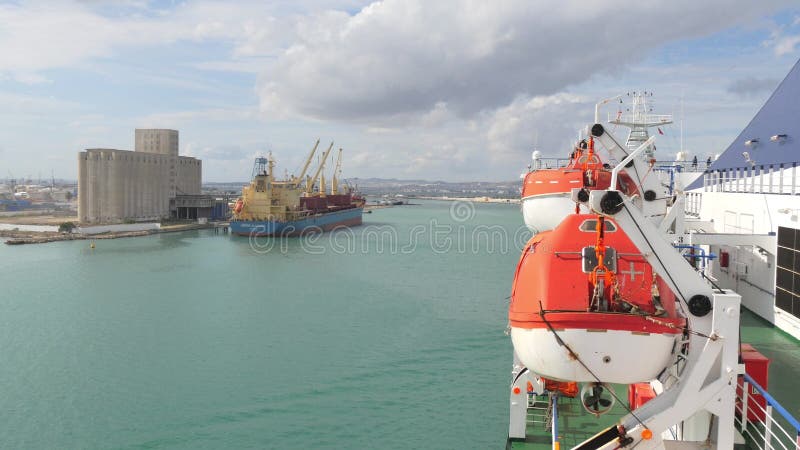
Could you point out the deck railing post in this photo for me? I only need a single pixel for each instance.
(739, 176)
(556, 443)
(780, 178)
(794, 177)
(744, 179)
(724, 180)
(730, 180)
(721, 181)
(760, 179)
(745, 398)
(743, 174)
(771, 170)
(768, 428)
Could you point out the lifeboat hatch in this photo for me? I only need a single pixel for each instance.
(590, 226)
(589, 257)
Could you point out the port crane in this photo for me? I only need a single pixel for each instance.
(337, 172)
(312, 180)
(297, 180)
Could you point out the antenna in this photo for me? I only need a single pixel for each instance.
(681, 121)
(639, 119)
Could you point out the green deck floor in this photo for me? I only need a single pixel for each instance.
(575, 425)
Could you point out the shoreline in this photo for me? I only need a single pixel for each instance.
(35, 237)
(510, 201)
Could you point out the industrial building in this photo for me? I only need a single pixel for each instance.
(119, 185)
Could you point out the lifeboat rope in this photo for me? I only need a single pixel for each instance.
(680, 297)
(609, 276)
(590, 165)
(574, 355)
(713, 337)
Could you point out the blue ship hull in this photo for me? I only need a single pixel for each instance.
(315, 223)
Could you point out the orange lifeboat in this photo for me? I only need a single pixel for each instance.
(546, 192)
(237, 208)
(586, 306)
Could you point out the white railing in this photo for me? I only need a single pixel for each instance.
(659, 166)
(680, 166)
(757, 179)
(548, 163)
(693, 203)
(760, 426)
(639, 118)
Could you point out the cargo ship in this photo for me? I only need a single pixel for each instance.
(295, 205)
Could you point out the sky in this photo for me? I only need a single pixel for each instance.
(411, 89)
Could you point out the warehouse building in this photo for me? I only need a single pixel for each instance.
(120, 185)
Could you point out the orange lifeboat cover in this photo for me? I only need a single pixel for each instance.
(550, 276)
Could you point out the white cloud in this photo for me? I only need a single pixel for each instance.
(231, 152)
(786, 45)
(41, 35)
(520, 125)
(447, 89)
(405, 56)
(178, 119)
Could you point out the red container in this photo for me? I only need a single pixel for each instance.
(747, 348)
(314, 203)
(339, 199)
(757, 366)
(639, 394)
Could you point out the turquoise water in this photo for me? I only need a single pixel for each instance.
(390, 337)
(197, 340)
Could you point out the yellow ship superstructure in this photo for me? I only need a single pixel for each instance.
(267, 199)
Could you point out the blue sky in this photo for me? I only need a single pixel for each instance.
(451, 90)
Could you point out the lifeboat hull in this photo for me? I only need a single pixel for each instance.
(614, 356)
(544, 212)
(624, 334)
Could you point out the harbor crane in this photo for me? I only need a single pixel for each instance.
(312, 180)
(337, 173)
(297, 180)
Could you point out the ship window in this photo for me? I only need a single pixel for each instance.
(787, 279)
(590, 225)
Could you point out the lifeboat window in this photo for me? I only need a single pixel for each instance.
(590, 225)
(589, 258)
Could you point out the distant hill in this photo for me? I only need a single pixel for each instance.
(411, 188)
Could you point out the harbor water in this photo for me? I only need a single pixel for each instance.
(388, 336)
